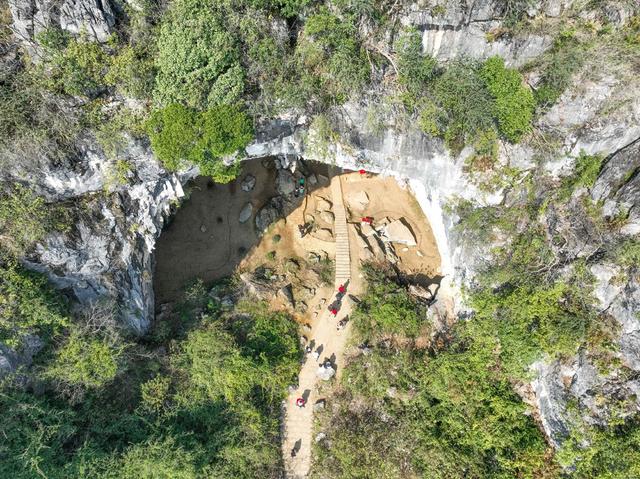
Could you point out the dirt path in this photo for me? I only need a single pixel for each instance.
(298, 422)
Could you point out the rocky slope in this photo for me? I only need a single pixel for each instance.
(109, 251)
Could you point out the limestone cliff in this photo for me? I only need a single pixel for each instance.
(109, 251)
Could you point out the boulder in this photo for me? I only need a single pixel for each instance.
(256, 287)
(245, 213)
(319, 405)
(327, 217)
(270, 213)
(367, 230)
(358, 200)
(286, 293)
(322, 204)
(285, 182)
(398, 232)
(325, 373)
(248, 183)
(323, 234)
(321, 436)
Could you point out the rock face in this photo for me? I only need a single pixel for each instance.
(31, 17)
(472, 28)
(108, 251)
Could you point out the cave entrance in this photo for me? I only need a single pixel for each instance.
(250, 226)
(214, 229)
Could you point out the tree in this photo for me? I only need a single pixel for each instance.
(198, 58)
(29, 306)
(174, 133)
(514, 103)
(180, 135)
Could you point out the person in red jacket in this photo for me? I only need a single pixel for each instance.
(300, 402)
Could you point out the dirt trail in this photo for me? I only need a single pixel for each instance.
(298, 422)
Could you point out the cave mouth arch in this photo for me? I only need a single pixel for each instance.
(215, 232)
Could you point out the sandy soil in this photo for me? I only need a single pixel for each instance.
(387, 198)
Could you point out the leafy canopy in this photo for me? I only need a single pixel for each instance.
(180, 135)
(198, 59)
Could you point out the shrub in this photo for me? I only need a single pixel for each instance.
(180, 135)
(198, 58)
(75, 66)
(85, 362)
(467, 105)
(174, 133)
(26, 219)
(415, 70)
(29, 306)
(563, 60)
(131, 72)
(514, 103)
(33, 435)
(585, 173)
(387, 309)
(330, 57)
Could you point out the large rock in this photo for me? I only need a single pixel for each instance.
(325, 373)
(398, 232)
(358, 200)
(93, 17)
(285, 182)
(245, 213)
(248, 183)
(323, 234)
(270, 213)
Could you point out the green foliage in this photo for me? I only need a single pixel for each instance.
(174, 133)
(155, 459)
(330, 57)
(28, 306)
(627, 253)
(559, 65)
(75, 66)
(180, 135)
(85, 361)
(415, 70)
(132, 72)
(198, 58)
(611, 453)
(26, 219)
(467, 106)
(585, 174)
(514, 103)
(453, 415)
(33, 435)
(205, 404)
(387, 309)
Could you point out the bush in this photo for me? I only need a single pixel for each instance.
(131, 72)
(514, 103)
(174, 133)
(330, 59)
(416, 71)
(75, 66)
(85, 362)
(26, 219)
(33, 436)
(559, 65)
(180, 135)
(198, 59)
(466, 104)
(387, 309)
(29, 306)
